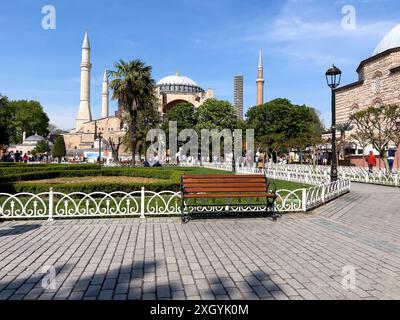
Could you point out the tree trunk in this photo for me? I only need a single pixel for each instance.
(133, 134)
(386, 163)
(115, 148)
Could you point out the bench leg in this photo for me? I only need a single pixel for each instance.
(272, 213)
(182, 211)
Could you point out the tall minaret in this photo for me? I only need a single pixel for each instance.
(84, 113)
(260, 80)
(104, 96)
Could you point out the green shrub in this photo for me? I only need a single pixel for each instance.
(12, 178)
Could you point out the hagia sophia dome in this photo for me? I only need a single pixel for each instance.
(178, 83)
(390, 41)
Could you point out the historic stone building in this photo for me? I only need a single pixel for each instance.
(83, 139)
(176, 89)
(238, 95)
(378, 83)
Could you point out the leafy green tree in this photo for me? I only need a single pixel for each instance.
(280, 125)
(216, 114)
(184, 114)
(379, 126)
(133, 87)
(361, 140)
(59, 150)
(6, 121)
(42, 146)
(148, 118)
(29, 117)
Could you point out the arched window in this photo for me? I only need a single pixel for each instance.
(377, 82)
(377, 103)
(354, 108)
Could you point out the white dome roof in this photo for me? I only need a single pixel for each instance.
(34, 138)
(177, 79)
(390, 41)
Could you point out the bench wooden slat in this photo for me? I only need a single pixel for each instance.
(230, 195)
(225, 185)
(225, 181)
(229, 189)
(217, 186)
(222, 176)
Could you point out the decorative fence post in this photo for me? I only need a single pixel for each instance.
(51, 204)
(304, 200)
(396, 180)
(142, 198)
(323, 193)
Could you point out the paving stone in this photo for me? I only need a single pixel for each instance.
(298, 257)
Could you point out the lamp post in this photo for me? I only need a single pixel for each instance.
(99, 136)
(333, 76)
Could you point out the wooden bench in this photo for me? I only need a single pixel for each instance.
(215, 187)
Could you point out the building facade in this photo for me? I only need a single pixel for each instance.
(238, 95)
(378, 83)
(83, 139)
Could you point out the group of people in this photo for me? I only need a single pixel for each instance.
(18, 156)
(15, 157)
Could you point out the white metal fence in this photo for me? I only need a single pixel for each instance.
(314, 174)
(53, 205)
(354, 174)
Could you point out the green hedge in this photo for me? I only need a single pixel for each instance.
(12, 178)
(14, 183)
(39, 175)
(88, 187)
(22, 168)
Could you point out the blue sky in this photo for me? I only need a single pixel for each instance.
(210, 41)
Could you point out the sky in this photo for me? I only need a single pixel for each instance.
(209, 41)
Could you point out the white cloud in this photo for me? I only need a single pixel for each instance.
(305, 30)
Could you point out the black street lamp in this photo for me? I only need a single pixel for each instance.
(100, 136)
(333, 76)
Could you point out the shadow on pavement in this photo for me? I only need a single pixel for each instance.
(17, 230)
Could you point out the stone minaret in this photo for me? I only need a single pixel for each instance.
(104, 96)
(260, 81)
(84, 113)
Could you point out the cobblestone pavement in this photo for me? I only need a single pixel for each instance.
(301, 256)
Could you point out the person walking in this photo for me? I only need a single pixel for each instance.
(391, 155)
(371, 161)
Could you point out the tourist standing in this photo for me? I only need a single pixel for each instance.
(371, 160)
(25, 158)
(391, 155)
(17, 156)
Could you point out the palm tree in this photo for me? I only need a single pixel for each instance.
(133, 87)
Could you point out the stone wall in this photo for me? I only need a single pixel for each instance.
(109, 127)
(379, 86)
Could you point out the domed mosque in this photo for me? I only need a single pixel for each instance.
(170, 91)
(175, 89)
(378, 83)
